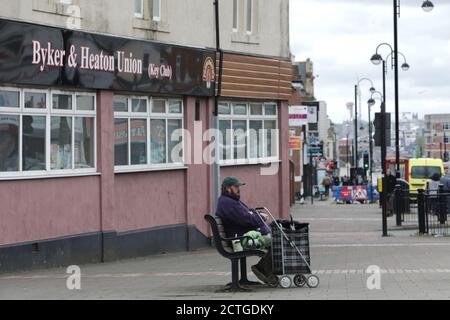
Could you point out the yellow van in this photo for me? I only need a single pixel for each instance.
(421, 171)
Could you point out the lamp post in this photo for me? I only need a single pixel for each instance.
(427, 6)
(371, 102)
(357, 91)
(376, 59)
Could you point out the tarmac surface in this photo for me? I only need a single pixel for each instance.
(345, 240)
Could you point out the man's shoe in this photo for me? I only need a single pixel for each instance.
(260, 275)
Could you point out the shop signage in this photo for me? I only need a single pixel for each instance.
(36, 55)
(295, 143)
(298, 116)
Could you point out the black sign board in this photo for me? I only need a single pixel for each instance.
(35, 55)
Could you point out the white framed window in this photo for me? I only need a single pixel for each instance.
(139, 8)
(249, 132)
(148, 133)
(235, 15)
(156, 9)
(46, 133)
(249, 16)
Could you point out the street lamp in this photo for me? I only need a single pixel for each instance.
(372, 89)
(371, 103)
(427, 6)
(376, 59)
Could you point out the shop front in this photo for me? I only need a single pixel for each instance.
(102, 144)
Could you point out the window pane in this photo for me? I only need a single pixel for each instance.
(156, 9)
(9, 99)
(256, 139)
(138, 7)
(249, 15)
(61, 143)
(33, 145)
(35, 100)
(138, 141)
(175, 141)
(158, 141)
(121, 142)
(9, 143)
(224, 108)
(84, 143)
(235, 14)
(271, 143)
(175, 106)
(159, 106)
(86, 103)
(240, 109)
(138, 105)
(225, 130)
(271, 109)
(62, 101)
(256, 109)
(240, 139)
(120, 104)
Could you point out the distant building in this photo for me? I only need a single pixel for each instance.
(437, 132)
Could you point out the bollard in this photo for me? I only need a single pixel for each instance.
(398, 207)
(421, 211)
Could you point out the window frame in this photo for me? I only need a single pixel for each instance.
(249, 117)
(158, 17)
(149, 116)
(247, 14)
(48, 113)
(235, 10)
(140, 14)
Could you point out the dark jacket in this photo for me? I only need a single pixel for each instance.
(237, 218)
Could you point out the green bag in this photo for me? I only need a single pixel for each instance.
(257, 240)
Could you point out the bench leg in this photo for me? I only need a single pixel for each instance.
(234, 286)
(244, 280)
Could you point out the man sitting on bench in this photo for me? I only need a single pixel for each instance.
(238, 219)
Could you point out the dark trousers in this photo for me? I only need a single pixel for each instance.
(265, 264)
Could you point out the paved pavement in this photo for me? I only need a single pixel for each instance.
(345, 241)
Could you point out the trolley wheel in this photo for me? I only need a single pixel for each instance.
(313, 281)
(285, 282)
(300, 280)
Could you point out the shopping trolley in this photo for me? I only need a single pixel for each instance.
(290, 252)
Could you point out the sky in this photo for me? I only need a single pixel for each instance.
(340, 37)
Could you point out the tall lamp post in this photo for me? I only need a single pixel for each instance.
(357, 92)
(371, 102)
(376, 60)
(427, 6)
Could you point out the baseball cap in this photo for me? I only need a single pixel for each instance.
(232, 181)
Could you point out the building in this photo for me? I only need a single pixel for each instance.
(105, 109)
(437, 132)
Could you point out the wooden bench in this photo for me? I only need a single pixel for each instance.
(224, 246)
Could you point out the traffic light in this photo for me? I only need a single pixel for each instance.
(366, 161)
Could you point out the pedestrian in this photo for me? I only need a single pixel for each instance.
(238, 219)
(326, 182)
(445, 181)
(433, 187)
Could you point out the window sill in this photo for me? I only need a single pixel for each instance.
(48, 176)
(245, 38)
(119, 170)
(249, 163)
(150, 25)
(52, 8)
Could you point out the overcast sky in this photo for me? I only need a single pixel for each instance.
(340, 36)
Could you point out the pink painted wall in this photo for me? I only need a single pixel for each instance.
(146, 200)
(42, 209)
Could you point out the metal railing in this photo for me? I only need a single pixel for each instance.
(429, 210)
